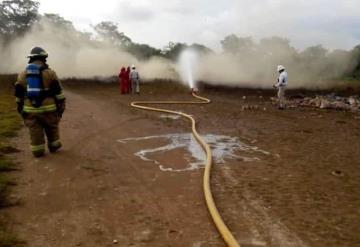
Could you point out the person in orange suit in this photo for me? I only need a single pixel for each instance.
(122, 80)
(128, 84)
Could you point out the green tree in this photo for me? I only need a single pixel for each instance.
(65, 28)
(276, 47)
(230, 43)
(338, 63)
(236, 45)
(314, 62)
(143, 51)
(108, 32)
(355, 62)
(173, 50)
(17, 17)
(314, 52)
(201, 49)
(58, 21)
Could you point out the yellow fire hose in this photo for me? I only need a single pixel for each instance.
(222, 228)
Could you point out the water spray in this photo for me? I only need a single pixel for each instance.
(187, 63)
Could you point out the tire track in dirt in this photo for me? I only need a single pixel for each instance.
(258, 227)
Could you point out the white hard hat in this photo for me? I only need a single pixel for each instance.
(133, 66)
(280, 67)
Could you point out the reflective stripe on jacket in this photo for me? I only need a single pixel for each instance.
(41, 109)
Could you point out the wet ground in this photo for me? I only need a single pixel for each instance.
(281, 178)
(223, 148)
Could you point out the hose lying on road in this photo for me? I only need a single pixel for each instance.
(222, 228)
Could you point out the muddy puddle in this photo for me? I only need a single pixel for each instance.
(223, 148)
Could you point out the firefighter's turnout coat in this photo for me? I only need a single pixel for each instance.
(42, 112)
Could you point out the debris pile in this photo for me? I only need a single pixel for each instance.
(249, 107)
(330, 101)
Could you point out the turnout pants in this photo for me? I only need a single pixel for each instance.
(41, 125)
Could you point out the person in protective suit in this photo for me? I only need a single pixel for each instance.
(128, 84)
(281, 85)
(135, 80)
(41, 102)
(123, 80)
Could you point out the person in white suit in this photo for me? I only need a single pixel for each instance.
(281, 85)
(135, 80)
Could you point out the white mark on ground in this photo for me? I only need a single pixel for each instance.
(223, 148)
(170, 116)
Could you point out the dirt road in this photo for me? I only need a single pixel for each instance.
(96, 192)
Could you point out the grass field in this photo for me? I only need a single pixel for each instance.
(9, 125)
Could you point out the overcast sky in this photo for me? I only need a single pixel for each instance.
(333, 23)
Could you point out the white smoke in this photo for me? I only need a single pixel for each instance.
(71, 55)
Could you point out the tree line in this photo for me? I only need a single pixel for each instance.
(18, 17)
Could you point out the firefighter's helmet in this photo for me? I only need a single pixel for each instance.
(37, 52)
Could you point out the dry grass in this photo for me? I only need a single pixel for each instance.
(9, 125)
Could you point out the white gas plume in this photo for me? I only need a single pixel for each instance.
(72, 55)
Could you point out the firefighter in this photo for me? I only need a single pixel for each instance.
(281, 85)
(135, 80)
(123, 80)
(41, 102)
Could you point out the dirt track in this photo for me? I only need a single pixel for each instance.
(96, 191)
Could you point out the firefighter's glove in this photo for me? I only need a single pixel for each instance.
(20, 110)
(60, 107)
(60, 113)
